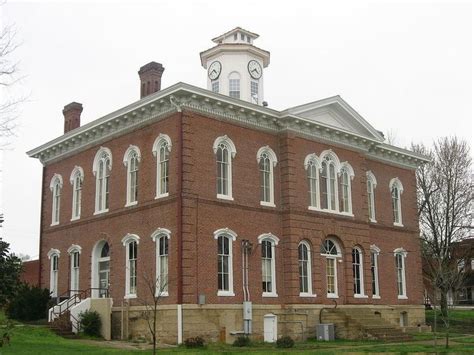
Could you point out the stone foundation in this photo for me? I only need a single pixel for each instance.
(215, 322)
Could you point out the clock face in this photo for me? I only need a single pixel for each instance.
(255, 69)
(214, 70)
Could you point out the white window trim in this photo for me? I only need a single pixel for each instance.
(95, 168)
(396, 181)
(335, 257)
(273, 162)
(310, 276)
(126, 162)
(317, 163)
(232, 236)
(75, 215)
(233, 151)
(56, 181)
(361, 271)
(333, 159)
(159, 141)
(157, 234)
(371, 177)
(74, 248)
(376, 250)
(274, 241)
(53, 286)
(350, 171)
(403, 253)
(129, 238)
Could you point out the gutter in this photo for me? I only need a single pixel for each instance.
(41, 229)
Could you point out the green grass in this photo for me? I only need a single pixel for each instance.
(461, 321)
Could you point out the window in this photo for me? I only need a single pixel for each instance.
(267, 160)
(254, 91)
(161, 150)
(328, 180)
(131, 159)
(234, 85)
(215, 86)
(304, 261)
(347, 174)
(76, 179)
(225, 150)
(101, 169)
(235, 36)
(242, 36)
(400, 255)
(130, 242)
(358, 272)
(374, 270)
(53, 255)
(371, 184)
(268, 243)
(56, 186)
(396, 189)
(161, 237)
(330, 250)
(74, 252)
(461, 265)
(312, 166)
(225, 284)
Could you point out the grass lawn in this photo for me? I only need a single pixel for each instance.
(461, 321)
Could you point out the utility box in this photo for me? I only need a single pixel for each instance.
(247, 310)
(325, 331)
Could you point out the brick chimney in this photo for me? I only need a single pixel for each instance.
(72, 116)
(150, 78)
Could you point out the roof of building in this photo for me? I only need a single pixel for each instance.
(231, 32)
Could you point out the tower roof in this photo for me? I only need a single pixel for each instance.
(220, 38)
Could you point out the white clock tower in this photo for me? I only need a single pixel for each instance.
(235, 66)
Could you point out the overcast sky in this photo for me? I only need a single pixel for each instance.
(406, 67)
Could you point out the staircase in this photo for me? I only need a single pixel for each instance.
(62, 326)
(362, 323)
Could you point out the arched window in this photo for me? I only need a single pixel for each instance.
(161, 238)
(400, 255)
(346, 175)
(313, 166)
(131, 159)
(76, 179)
(161, 150)
(267, 160)
(268, 243)
(304, 261)
(225, 276)
(53, 255)
(374, 269)
(328, 181)
(331, 251)
(225, 150)
(234, 85)
(130, 242)
(74, 252)
(56, 186)
(101, 169)
(396, 189)
(358, 272)
(371, 185)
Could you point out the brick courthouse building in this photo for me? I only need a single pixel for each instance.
(231, 205)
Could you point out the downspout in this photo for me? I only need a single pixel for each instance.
(41, 229)
(179, 222)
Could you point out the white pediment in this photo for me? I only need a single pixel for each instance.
(335, 112)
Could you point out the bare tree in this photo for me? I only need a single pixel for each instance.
(445, 196)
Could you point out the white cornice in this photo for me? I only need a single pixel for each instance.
(184, 96)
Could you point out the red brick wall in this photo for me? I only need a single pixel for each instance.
(30, 273)
(203, 213)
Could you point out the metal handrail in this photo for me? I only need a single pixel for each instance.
(77, 297)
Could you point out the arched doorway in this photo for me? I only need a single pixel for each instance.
(100, 278)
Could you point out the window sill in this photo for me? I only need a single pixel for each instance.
(396, 224)
(100, 212)
(304, 294)
(376, 297)
(360, 296)
(54, 224)
(269, 294)
(75, 218)
(267, 204)
(129, 204)
(402, 297)
(162, 294)
(129, 296)
(332, 295)
(372, 220)
(161, 196)
(225, 294)
(317, 209)
(225, 197)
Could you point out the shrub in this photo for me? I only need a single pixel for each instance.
(285, 342)
(90, 323)
(196, 342)
(241, 341)
(30, 303)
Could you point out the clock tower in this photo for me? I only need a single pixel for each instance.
(235, 66)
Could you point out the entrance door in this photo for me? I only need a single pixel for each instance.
(269, 328)
(104, 271)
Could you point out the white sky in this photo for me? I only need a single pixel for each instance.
(405, 66)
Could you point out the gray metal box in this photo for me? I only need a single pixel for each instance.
(325, 331)
(247, 310)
